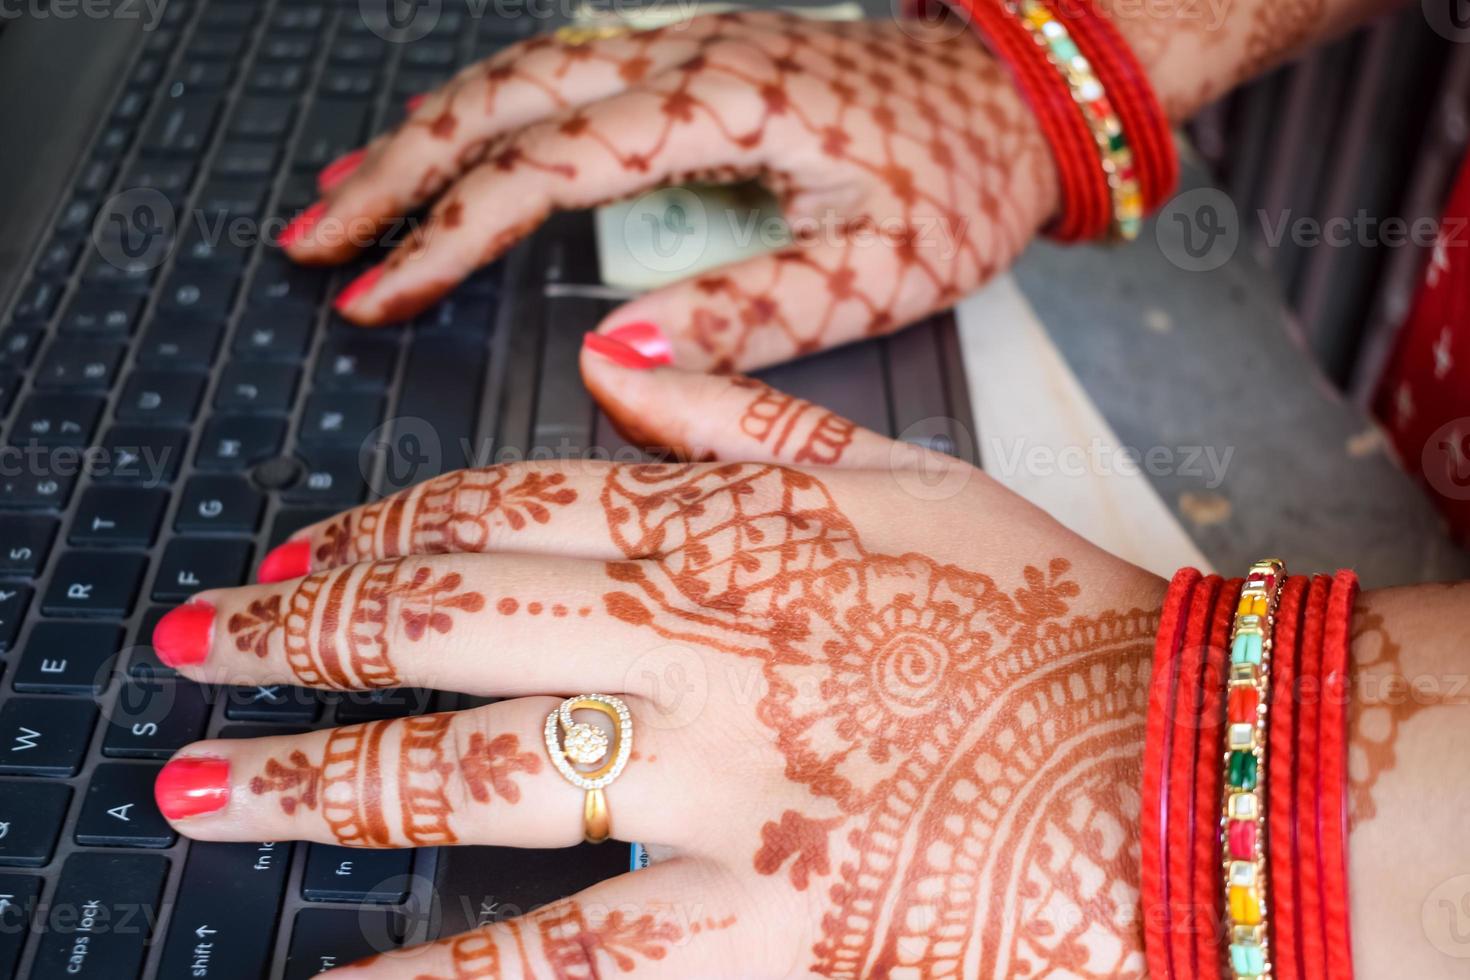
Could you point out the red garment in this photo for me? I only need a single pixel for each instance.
(1424, 395)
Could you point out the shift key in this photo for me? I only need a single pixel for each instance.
(228, 900)
(101, 918)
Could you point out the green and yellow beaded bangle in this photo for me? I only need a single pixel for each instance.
(1243, 825)
(1088, 92)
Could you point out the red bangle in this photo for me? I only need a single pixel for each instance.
(1332, 775)
(1157, 749)
(1309, 877)
(1208, 901)
(1281, 823)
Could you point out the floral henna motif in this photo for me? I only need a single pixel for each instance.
(970, 749)
(572, 945)
(772, 418)
(457, 512)
(335, 625)
(354, 797)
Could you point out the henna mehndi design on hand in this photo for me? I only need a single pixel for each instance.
(773, 417)
(356, 787)
(978, 748)
(335, 626)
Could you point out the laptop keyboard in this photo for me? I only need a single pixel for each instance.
(177, 397)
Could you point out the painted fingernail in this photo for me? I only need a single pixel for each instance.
(182, 637)
(301, 225)
(339, 170)
(285, 562)
(357, 287)
(618, 352)
(414, 101)
(189, 787)
(646, 339)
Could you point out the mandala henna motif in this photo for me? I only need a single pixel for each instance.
(457, 512)
(356, 789)
(969, 748)
(335, 625)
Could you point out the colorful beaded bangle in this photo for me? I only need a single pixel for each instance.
(1244, 818)
(1052, 36)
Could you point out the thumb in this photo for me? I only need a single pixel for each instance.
(727, 417)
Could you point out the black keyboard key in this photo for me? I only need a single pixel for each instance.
(171, 178)
(355, 49)
(115, 140)
(14, 599)
(226, 504)
(191, 565)
(25, 541)
(10, 382)
(123, 516)
(182, 126)
(332, 127)
(256, 387)
(68, 658)
(441, 386)
(289, 520)
(194, 77)
(279, 703)
(210, 244)
(95, 311)
(228, 900)
(279, 333)
(289, 50)
(427, 54)
(144, 662)
(245, 161)
(180, 344)
(95, 178)
(238, 442)
(331, 477)
(297, 20)
(356, 364)
(279, 280)
(276, 79)
(348, 83)
(56, 420)
(323, 939)
(44, 736)
(206, 46)
(32, 814)
(77, 217)
(195, 293)
(94, 583)
(57, 259)
(139, 455)
(381, 704)
(335, 419)
(232, 199)
(355, 874)
(40, 492)
(18, 345)
(227, 17)
(79, 365)
(146, 73)
(99, 924)
(153, 719)
(119, 811)
(19, 895)
(161, 397)
(129, 107)
(37, 301)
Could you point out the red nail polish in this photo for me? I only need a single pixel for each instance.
(182, 637)
(285, 561)
(189, 787)
(618, 352)
(646, 339)
(339, 170)
(301, 225)
(362, 284)
(414, 101)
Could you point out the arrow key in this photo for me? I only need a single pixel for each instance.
(119, 810)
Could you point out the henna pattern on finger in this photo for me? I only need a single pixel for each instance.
(971, 751)
(404, 767)
(571, 945)
(461, 511)
(772, 417)
(335, 626)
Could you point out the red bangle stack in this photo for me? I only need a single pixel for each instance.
(1183, 854)
(1096, 109)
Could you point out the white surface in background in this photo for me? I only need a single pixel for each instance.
(1042, 436)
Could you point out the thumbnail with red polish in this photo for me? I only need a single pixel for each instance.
(190, 787)
(285, 562)
(182, 637)
(339, 169)
(301, 225)
(646, 339)
(618, 352)
(357, 287)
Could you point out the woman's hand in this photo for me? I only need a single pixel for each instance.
(888, 718)
(904, 159)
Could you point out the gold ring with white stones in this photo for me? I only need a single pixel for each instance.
(587, 757)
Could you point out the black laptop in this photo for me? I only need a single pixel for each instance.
(176, 398)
